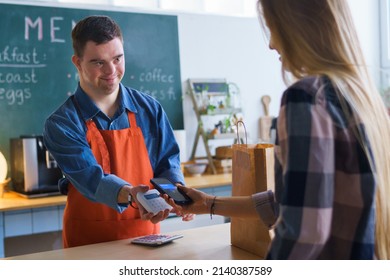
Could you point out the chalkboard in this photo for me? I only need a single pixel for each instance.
(37, 75)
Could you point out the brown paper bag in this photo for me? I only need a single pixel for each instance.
(253, 171)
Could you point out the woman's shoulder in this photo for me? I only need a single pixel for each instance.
(305, 90)
(309, 83)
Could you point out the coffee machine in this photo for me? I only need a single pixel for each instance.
(34, 172)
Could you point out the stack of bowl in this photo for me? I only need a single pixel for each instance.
(195, 169)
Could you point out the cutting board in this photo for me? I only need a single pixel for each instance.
(266, 120)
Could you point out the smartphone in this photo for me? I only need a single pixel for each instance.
(165, 186)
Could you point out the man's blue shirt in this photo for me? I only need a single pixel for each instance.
(65, 138)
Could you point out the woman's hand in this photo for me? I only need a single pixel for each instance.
(200, 203)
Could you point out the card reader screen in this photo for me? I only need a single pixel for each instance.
(151, 196)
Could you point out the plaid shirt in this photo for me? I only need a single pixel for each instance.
(324, 185)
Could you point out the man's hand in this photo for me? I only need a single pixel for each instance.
(145, 215)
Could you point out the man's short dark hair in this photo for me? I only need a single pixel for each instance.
(99, 29)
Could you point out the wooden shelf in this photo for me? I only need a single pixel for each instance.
(219, 111)
(222, 136)
(218, 88)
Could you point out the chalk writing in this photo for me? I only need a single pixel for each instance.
(10, 55)
(18, 71)
(156, 75)
(15, 96)
(157, 83)
(19, 78)
(159, 94)
(55, 28)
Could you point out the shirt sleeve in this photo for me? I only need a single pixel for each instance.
(65, 139)
(266, 207)
(306, 140)
(164, 152)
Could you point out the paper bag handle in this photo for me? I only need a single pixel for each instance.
(238, 135)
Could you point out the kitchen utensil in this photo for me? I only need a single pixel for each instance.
(266, 120)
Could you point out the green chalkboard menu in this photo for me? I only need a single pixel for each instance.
(37, 75)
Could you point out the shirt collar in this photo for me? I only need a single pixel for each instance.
(88, 109)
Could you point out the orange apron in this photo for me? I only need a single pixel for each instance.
(123, 153)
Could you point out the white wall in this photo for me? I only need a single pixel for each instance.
(367, 22)
(231, 48)
(235, 49)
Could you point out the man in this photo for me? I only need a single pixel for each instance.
(109, 141)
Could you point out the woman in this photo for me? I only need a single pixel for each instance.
(332, 156)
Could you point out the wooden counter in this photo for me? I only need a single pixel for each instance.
(21, 216)
(207, 181)
(12, 201)
(203, 243)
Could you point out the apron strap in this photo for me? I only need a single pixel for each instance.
(132, 119)
(93, 131)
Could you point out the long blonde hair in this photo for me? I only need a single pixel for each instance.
(318, 37)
